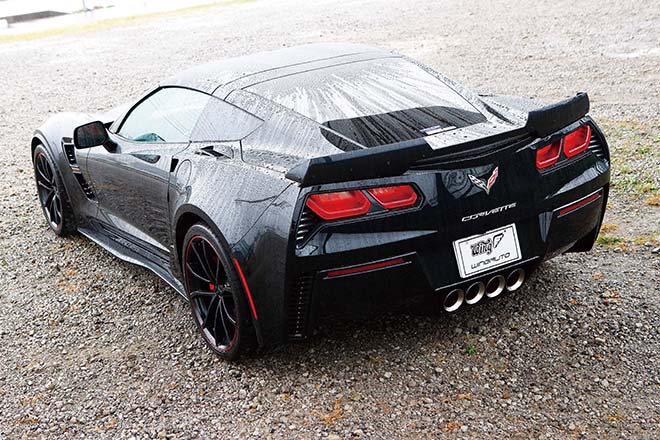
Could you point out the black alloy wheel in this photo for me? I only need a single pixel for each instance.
(216, 296)
(52, 194)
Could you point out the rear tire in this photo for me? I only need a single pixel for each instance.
(53, 198)
(216, 295)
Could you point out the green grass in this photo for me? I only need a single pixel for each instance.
(471, 349)
(610, 240)
(635, 160)
(109, 23)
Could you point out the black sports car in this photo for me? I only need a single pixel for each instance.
(270, 188)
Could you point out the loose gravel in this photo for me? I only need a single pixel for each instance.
(92, 347)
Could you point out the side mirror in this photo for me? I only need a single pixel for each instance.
(90, 135)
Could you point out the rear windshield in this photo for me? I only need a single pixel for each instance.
(374, 102)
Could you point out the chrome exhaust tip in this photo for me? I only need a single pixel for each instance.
(453, 300)
(495, 286)
(475, 292)
(515, 279)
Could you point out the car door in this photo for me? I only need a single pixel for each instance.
(131, 176)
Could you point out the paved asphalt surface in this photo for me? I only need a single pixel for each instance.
(92, 347)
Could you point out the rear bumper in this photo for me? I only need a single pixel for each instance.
(368, 278)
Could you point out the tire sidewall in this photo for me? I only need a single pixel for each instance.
(243, 319)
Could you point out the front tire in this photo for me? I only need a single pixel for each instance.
(52, 193)
(217, 300)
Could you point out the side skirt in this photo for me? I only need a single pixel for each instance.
(130, 254)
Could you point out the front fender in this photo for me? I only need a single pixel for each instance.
(58, 126)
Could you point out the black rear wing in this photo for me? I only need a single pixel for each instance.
(396, 159)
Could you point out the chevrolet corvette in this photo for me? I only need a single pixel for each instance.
(273, 189)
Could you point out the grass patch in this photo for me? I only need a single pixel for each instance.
(653, 238)
(109, 23)
(610, 240)
(635, 163)
(607, 228)
(471, 349)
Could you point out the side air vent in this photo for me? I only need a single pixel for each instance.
(70, 153)
(85, 186)
(596, 146)
(308, 221)
(299, 306)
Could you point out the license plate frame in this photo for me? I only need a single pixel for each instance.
(482, 252)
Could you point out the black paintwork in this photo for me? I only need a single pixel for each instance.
(251, 163)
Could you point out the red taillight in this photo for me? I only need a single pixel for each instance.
(579, 204)
(577, 141)
(548, 155)
(394, 196)
(365, 267)
(342, 204)
(574, 143)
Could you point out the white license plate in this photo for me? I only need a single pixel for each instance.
(481, 253)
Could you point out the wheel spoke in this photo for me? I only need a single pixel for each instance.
(224, 307)
(52, 207)
(217, 269)
(208, 313)
(58, 208)
(198, 276)
(207, 261)
(224, 324)
(42, 174)
(201, 294)
(44, 185)
(202, 263)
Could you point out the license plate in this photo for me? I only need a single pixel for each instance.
(481, 253)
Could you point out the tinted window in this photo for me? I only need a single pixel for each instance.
(222, 121)
(169, 115)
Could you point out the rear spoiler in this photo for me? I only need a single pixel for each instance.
(395, 159)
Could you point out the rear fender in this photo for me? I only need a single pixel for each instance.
(231, 197)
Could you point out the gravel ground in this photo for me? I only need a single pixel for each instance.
(94, 347)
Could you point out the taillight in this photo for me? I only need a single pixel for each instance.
(548, 155)
(394, 196)
(577, 141)
(574, 143)
(341, 204)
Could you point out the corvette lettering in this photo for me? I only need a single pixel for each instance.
(499, 209)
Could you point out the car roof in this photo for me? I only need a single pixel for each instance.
(222, 77)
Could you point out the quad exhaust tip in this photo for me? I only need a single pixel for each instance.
(453, 300)
(475, 292)
(478, 289)
(515, 279)
(495, 286)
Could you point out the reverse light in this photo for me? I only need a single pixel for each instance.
(394, 196)
(341, 204)
(577, 141)
(548, 155)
